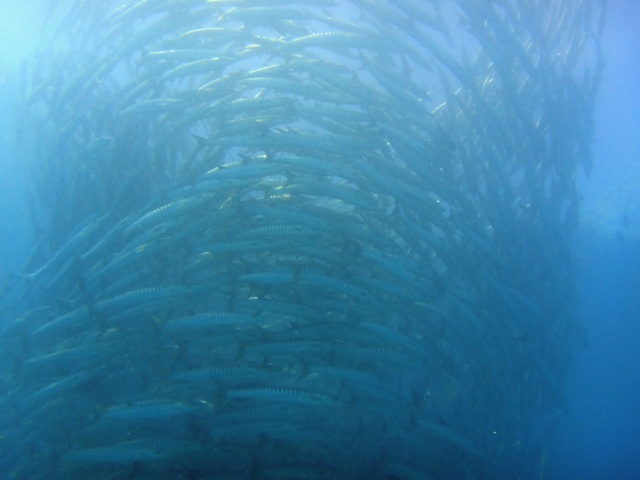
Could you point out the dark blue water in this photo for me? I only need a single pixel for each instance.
(600, 436)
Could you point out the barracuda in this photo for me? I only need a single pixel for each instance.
(294, 396)
(208, 320)
(66, 253)
(66, 321)
(289, 239)
(155, 409)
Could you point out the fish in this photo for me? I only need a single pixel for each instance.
(153, 409)
(296, 239)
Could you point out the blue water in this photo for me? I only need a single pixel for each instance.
(599, 437)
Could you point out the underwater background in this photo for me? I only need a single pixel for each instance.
(599, 434)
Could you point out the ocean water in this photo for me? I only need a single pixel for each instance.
(599, 435)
